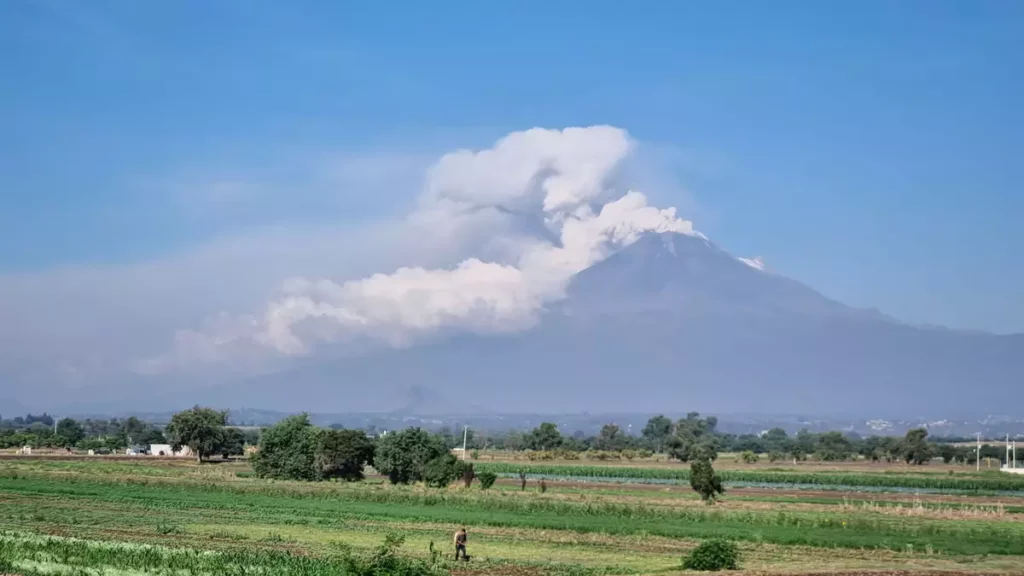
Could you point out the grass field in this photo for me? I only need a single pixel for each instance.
(156, 516)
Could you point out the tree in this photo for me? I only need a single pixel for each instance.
(657, 430)
(834, 447)
(442, 471)
(705, 481)
(545, 437)
(749, 457)
(153, 436)
(948, 452)
(252, 437)
(342, 454)
(230, 443)
(611, 438)
(133, 429)
(198, 428)
(287, 450)
(69, 432)
(694, 438)
(402, 455)
(916, 449)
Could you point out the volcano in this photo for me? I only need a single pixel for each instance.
(673, 323)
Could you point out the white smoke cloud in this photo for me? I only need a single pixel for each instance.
(561, 180)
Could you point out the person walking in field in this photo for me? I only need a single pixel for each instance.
(460, 544)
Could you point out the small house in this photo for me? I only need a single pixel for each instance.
(165, 450)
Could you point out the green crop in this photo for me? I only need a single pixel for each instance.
(823, 479)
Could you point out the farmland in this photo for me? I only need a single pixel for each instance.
(163, 516)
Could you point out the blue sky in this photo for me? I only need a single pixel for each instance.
(872, 149)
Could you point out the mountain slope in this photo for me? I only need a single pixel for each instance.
(671, 324)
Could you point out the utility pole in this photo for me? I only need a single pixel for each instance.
(465, 435)
(1007, 451)
(977, 459)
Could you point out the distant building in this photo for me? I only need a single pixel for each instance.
(165, 450)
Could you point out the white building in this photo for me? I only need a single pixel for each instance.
(165, 450)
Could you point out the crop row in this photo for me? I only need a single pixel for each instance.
(206, 504)
(682, 474)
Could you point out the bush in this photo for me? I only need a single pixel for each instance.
(486, 479)
(748, 457)
(712, 556)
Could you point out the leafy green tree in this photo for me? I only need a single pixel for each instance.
(287, 450)
(748, 457)
(705, 481)
(775, 438)
(611, 438)
(252, 437)
(198, 428)
(916, 449)
(230, 443)
(694, 438)
(402, 455)
(153, 436)
(133, 429)
(657, 430)
(545, 437)
(343, 454)
(69, 432)
(948, 452)
(442, 471)
(834, 447)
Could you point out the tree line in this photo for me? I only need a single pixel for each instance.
(686, 439)
(115, 434)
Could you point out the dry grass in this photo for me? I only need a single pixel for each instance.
(918, 509)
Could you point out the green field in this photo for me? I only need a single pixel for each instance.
(153, 516)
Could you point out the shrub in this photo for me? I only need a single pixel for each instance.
(486, 479)
(713, 555)
(475, 454)
(748, 457)
(775, 456)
